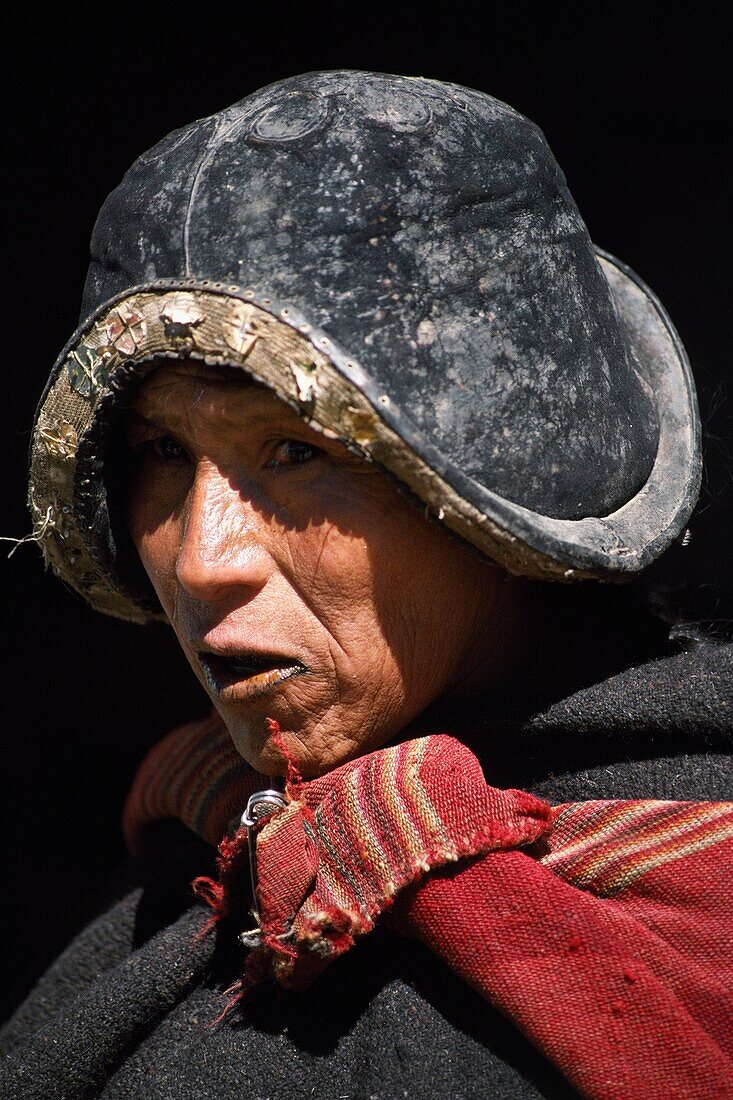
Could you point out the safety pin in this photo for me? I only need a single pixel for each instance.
(260, 806)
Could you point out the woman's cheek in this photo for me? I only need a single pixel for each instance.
(158, 550)
(332, 568)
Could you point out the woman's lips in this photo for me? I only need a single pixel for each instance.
(245, 676)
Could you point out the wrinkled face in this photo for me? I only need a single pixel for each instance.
(302, 586)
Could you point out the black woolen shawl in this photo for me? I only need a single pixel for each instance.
(126, 1011)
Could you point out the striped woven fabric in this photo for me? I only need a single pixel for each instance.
(194, 775)
(604, 930)
(371, 828)
(605, 847)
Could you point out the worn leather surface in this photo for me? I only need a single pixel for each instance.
(428, 229)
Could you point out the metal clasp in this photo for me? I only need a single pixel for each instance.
(260, 806)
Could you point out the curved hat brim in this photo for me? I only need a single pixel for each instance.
(627, 540)
(273, 343)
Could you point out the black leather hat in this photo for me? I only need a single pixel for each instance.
(399, 259)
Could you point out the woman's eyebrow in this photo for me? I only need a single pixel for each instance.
(209, 373)
(134, 419)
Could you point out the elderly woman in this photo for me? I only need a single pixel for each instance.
(351, 379)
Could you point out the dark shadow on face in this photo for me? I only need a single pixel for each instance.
(315, 509)
(339, 532)
(119, 466)
(588, 627)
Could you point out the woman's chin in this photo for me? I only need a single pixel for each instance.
(271, 743)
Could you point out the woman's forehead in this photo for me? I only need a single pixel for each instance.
(180, 371)
(189, 387)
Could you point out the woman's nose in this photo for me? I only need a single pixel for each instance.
(221, 548)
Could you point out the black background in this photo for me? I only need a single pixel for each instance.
(637, 112)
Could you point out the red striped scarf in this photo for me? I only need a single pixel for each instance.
(602, 929)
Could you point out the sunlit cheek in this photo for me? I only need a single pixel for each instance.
(334, 562)
(339, 587)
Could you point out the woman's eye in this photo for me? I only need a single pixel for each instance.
(292, 452)
(168, 448)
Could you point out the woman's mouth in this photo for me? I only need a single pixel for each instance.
(245, 676)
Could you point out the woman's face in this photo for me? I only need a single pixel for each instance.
(301, 585)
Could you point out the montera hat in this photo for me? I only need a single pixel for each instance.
(401, 261)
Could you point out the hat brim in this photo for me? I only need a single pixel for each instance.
(273, 343)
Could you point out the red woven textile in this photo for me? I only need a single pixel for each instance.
(602, 929)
